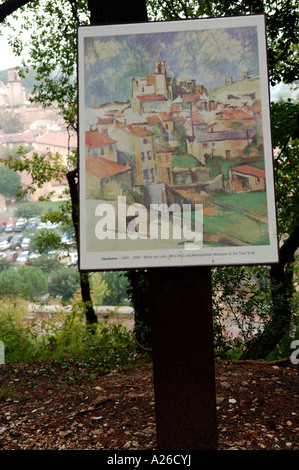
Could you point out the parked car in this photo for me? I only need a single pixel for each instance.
(23, 258)
(74, 258)
(25, 243)
(4, 245)
(16, 242)
(32, 223)
(42, 225)
(10, 226)
(20, 225)
(34, 255)
(11, 255)
(7, 237)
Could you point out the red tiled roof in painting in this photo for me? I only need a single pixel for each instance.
(249, 170)
(108, 120)
(191, 97)
(197, 118)
(165, 116)
(153, 120)
(151, 97)
(175, 109)
(102, 167)
(139, 131)
(237, 114)
(95, 139)
(179, 118)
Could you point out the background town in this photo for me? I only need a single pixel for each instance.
(35, 129)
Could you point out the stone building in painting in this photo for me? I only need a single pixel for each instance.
(247, 178)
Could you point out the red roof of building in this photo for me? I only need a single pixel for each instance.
(153, 120)
(12, 138)
(197, 118)
(29, 136)
(179, 118)
(151, 97)
(249, 170)
(95, 139)
(191, 97)
(165, 116)
(108, 120)
(102, 167)
(237, 114)
(139, 132)
(58, 139)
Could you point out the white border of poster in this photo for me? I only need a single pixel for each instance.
(175, 149)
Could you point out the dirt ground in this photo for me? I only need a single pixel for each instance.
(51, 406)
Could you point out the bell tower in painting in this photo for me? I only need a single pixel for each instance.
(160, 78)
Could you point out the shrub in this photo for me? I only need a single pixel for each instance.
(108, 345)
(14, 332)
(25, 282)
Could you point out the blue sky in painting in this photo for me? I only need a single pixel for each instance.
(207, 56)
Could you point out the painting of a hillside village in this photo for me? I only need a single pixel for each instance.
(177, 117)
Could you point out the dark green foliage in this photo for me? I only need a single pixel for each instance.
(9, 182)
(65, 338)
(45, 241)
(118, 286)
(25, 282)
(64, 282)
(27, 210)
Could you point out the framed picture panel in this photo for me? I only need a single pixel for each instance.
(175, 151)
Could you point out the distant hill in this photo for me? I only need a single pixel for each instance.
(248, 85)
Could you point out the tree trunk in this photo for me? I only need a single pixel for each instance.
(139, 294)
(281, 276)
(10, 6)
(117, 11)
(91, 317)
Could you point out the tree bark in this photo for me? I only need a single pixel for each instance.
(281, 275)
(117, 11)
(91, 317)
(10, 6)
(139, 294)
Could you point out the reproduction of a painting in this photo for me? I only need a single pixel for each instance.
(175, 152)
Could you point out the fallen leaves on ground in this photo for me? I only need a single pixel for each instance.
(56, 406)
